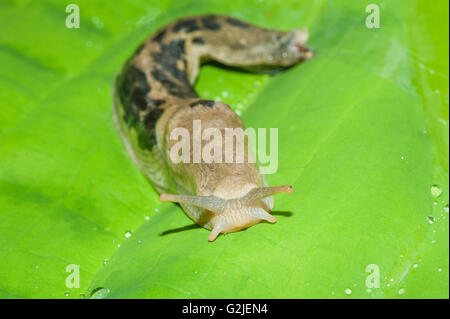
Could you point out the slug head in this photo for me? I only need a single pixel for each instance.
(231, 215)
(294, 47)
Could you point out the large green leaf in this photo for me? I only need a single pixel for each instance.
(363, 136)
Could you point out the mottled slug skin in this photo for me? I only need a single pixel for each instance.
(154, 94)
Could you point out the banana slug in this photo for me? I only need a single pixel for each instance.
(153, 94)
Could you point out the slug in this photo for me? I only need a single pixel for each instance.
(153, 94)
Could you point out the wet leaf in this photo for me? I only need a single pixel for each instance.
(363, 137)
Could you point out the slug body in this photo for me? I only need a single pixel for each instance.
(154, 94)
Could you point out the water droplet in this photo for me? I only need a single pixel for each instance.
(147, 217)
(348, 291)
(391, 280)
(66, 294)
(99, 293)
(415, 266)
(196, 272)
(401, 291)
(402, 158)
(439, 269)
(436, 190)
(128, 234)
(105, 261)
(433, 241)
(97, 22)
(118, 245)
(431, 219)
(446, 208)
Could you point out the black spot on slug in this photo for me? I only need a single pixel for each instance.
(139, 49)
(198, 40)
(169, 56)
(133, 88)
(139, 87)
(156, 102)
(159, 36)
(188, 25)
(210, 23)
(147, 133)
(151, 118)
(208, 103)
(237, 23)
(182, 90)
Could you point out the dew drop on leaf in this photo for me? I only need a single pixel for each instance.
(436, 190)
(128, 234)
(99, 293)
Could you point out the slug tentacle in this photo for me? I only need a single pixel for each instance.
(211, 203)
(260, 213)
(154, 95)
(218, 228)
(261, 192)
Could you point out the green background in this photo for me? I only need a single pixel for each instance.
(363, 135)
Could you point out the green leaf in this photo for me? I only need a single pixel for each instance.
(363, 136)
